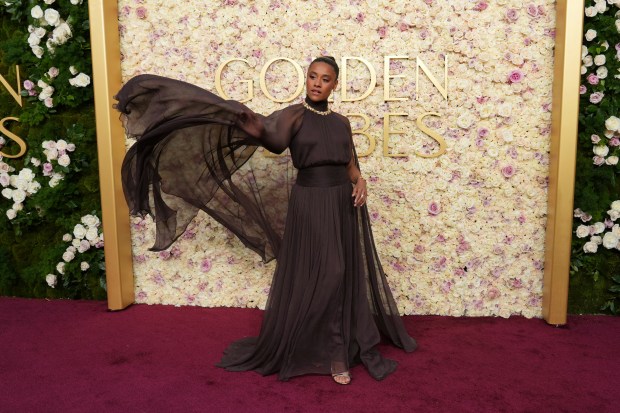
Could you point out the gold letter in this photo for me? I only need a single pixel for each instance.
(14, 137)
(371, 140)
(386, 135)
(440, 140)
(387, 77)
(343, 80)
(300, 80)
(16, 95)
(218, 80)
(420, 64)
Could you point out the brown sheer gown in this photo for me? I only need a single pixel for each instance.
(329, 301)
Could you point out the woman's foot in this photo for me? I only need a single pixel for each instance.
(342, 378)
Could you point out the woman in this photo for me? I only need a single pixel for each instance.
(329, 300)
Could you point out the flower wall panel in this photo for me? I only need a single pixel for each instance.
(458, 234)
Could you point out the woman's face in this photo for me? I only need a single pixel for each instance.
(320, 81)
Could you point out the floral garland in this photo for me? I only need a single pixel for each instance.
(594, 287)
(462, 234)
(56, 183)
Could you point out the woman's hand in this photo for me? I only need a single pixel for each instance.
(359, 192)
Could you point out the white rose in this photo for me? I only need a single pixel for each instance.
(36, 12)
(52, 17)
(55, 180)
(64, 160)
(79, 231)
(602, 72)
(616, 230)
(613, 214)
(591, 11)
(590, 247)
(465, 120)
(600, 6)
(588, 61)
(590, 35)
(618, 25)
(76, 243)
(84, 266)
(35, 161)
(50, 279)
(46, 93)
(596, 239)
(616, 205)
(76, 2)
(51, 154)
(33, 40)
(38, 51)
(599, 60)
(7, 193)
(598, 227)
(582, 231)
(90, 220)
(49, 1)
(67, 237)
(61, 34)
(18, 206)
(19, 195)
(80, 80)
(33, 187)
(505, 110)
(91, 234)
(11, 213)
(26, 174)
(600, 150)
(73, 70)
(68, 256)
(610, 240)
(612, 160)
(60, 267)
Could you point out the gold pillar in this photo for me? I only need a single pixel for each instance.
(105, 45)
(564, 116)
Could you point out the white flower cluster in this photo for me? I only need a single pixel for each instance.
(48, 19)
(23, 184)
(17, 188)
(600, 7)
(57, 151)
(86, 235)
(597, 231)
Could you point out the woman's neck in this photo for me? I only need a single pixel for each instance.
(321, 106)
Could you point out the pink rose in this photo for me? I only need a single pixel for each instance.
(598, 160)
(595, 139)
(532, 10)
(28, 85)
(206, 265)
(482, 5)
(614, 142)
(483, 132)
(493, 293)
(515, 76)
(434, 208)
(596, 97)
(512, 15)
(141, 12)
(592, 79)
(382, 31)
(508, 171)
(47, 169)
(582, 89)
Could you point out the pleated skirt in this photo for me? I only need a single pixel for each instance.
(318, 318)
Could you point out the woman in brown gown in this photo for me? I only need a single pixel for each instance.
(329, 301)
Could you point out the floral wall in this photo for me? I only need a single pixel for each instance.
(594, 281)
(458, 234)
(51, 244)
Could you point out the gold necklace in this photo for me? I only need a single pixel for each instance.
(318, 112)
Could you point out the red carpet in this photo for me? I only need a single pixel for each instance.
(75, 356)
